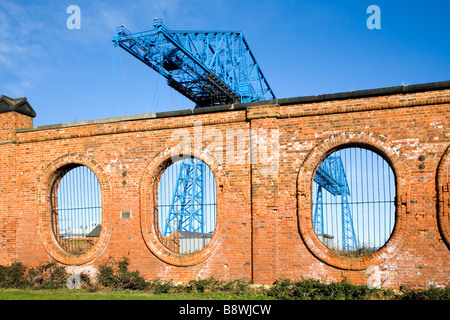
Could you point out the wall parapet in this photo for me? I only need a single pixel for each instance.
(307, 106)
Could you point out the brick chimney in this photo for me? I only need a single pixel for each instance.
(14, 113)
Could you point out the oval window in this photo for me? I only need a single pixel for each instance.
(185, 213)
(354, 201)
(76, 206)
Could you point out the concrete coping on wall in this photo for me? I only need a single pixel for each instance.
(403, 89)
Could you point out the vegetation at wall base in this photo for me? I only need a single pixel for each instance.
(115, 281)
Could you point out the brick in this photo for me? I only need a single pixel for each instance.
(264, 230)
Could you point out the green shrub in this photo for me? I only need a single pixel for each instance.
(204, 285)
(158, 286)
(106, 276)
(13, 276)
(315, 290)
(426, 294)
(239, 287)
(47, 276)
(121, 278)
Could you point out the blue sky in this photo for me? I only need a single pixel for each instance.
(303, 48)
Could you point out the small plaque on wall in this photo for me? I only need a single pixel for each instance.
(125, 214)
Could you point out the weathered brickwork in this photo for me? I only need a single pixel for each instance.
(263, 156)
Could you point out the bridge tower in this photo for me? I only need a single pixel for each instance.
(209, 68)
(331, 176)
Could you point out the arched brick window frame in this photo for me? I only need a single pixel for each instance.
(45, 181)
(148, 193)
(304, 198)
(443, 191)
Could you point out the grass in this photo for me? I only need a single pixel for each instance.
(105, 294)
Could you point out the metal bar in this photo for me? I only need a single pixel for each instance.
(187, 212)
(366, 206)
(76, 196)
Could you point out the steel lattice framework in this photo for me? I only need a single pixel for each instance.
(331, 176)
(207, 67)
(186, 210)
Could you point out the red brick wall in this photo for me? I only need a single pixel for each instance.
(264, 229)
(9, 188)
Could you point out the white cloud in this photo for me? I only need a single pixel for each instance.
(18, 89)
(21, 48)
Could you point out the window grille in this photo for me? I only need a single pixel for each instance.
(186, 206)
(354, 201)
(76, 208)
